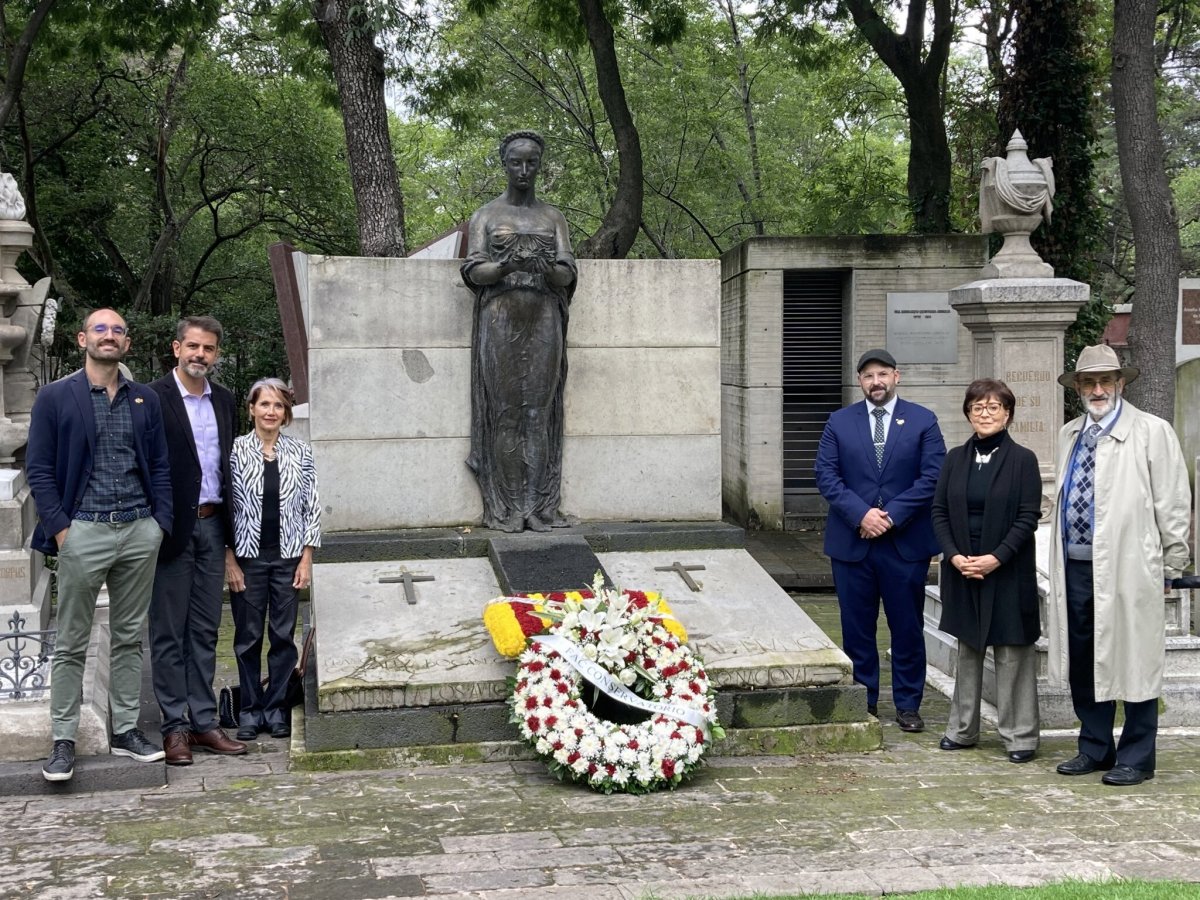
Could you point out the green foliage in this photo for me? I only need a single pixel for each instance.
(831, 150)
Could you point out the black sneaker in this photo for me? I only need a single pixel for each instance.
(61, 764)
(133, 744)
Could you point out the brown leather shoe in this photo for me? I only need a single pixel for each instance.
(216, 741)
(175, 745)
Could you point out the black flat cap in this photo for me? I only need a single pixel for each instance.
(878, 355)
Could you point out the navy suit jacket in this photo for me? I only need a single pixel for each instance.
(185, 462)
(62, 439)
(851, 481)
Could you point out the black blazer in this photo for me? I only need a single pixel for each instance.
(1003, 607)
(185, 462)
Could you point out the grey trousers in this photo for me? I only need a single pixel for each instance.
(94, 553)
(1016, 696)
(185, 616)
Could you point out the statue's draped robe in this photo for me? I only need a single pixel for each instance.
(518, 371)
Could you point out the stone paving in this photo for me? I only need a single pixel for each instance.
(906, 818)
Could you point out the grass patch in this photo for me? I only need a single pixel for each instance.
(1066, 890)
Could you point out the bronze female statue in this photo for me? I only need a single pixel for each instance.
(522, 271)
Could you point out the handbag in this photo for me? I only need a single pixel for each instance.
(229, 699)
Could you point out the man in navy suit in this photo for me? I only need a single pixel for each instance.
(97, 467)
(877, 466)
(185, 610)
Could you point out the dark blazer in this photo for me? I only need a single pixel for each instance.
(1003, 607)
(851, 481)
(185, 461)
(62, 439)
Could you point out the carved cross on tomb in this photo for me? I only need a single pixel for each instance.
(407, 579)
(682, 571)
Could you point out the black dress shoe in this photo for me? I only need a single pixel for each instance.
(281, 730)
(873, 711)
(1126, 776)
(946, 744)
(247, 733)
(1021, 756)
(909, 720)
(1081, 765)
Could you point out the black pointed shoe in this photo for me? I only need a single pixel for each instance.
(1081, 765)
(1126, 776)
(1021, 756)
(947, 744)
(909, 720)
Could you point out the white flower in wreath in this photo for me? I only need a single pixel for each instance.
(580, 765)
(629, 757)
(620, 776)
(589, 650)
(592, 620)
(589, 745)
(628, 677)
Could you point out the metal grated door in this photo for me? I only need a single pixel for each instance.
(812, 370)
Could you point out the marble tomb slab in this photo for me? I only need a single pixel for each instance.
(377, 651)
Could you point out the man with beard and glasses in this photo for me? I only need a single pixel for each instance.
(185, 612)
(877, 466)
(97, 468)
(1118, 536)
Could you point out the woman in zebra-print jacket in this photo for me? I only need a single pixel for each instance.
(276, 526)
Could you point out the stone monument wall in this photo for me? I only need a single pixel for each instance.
(389, 410)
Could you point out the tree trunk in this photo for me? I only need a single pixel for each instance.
(919, 71)
(615, 236)
(729, 10)
(18, 56)
(1151, 206)
(358, 68)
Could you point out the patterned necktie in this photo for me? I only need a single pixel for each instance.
(1081, 496)
(879, 412)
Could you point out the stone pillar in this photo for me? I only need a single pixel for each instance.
(1017, 330)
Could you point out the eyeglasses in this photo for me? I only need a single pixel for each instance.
(978, 409)
(1087, 383)
(114, 330)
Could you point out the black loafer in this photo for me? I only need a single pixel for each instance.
(1126, 776)
(247, 733)
(946, 744)
(1081, 765)
(281, 731)
(910, 720)
(1021, 756)
(873, 711)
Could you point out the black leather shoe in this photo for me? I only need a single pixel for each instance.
(281, 731)
(946, 744)
(1081, 765)
(909, 720)
(1021, 756)
(1126, 776)
(247, 733)
(873, 711)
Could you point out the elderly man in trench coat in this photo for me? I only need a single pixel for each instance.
(1119, 534)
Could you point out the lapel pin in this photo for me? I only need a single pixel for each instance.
(899, 421)
(138, 400)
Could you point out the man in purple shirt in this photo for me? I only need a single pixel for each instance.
(185, 611)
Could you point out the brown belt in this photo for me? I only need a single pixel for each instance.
(204, 510)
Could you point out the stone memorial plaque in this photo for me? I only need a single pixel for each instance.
(1189, 311)
(750, 633)
(530, 563)
(922, 327)
(1034, 383)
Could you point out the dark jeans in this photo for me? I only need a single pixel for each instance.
(1096, 718)
(270, 600)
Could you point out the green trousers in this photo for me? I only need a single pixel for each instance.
(94, 553)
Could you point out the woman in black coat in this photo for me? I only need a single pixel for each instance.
(985, 511)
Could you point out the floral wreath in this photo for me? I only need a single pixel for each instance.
(626, 651)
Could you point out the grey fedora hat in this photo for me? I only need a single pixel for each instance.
(1097, 359)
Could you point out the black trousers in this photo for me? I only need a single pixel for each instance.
(1097, 718)
(269, 600)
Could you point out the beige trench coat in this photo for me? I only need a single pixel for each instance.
(1143, 506)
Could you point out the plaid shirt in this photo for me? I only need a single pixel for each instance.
(114, 483)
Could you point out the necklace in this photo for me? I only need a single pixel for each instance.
(982, 459)
(268, 455)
